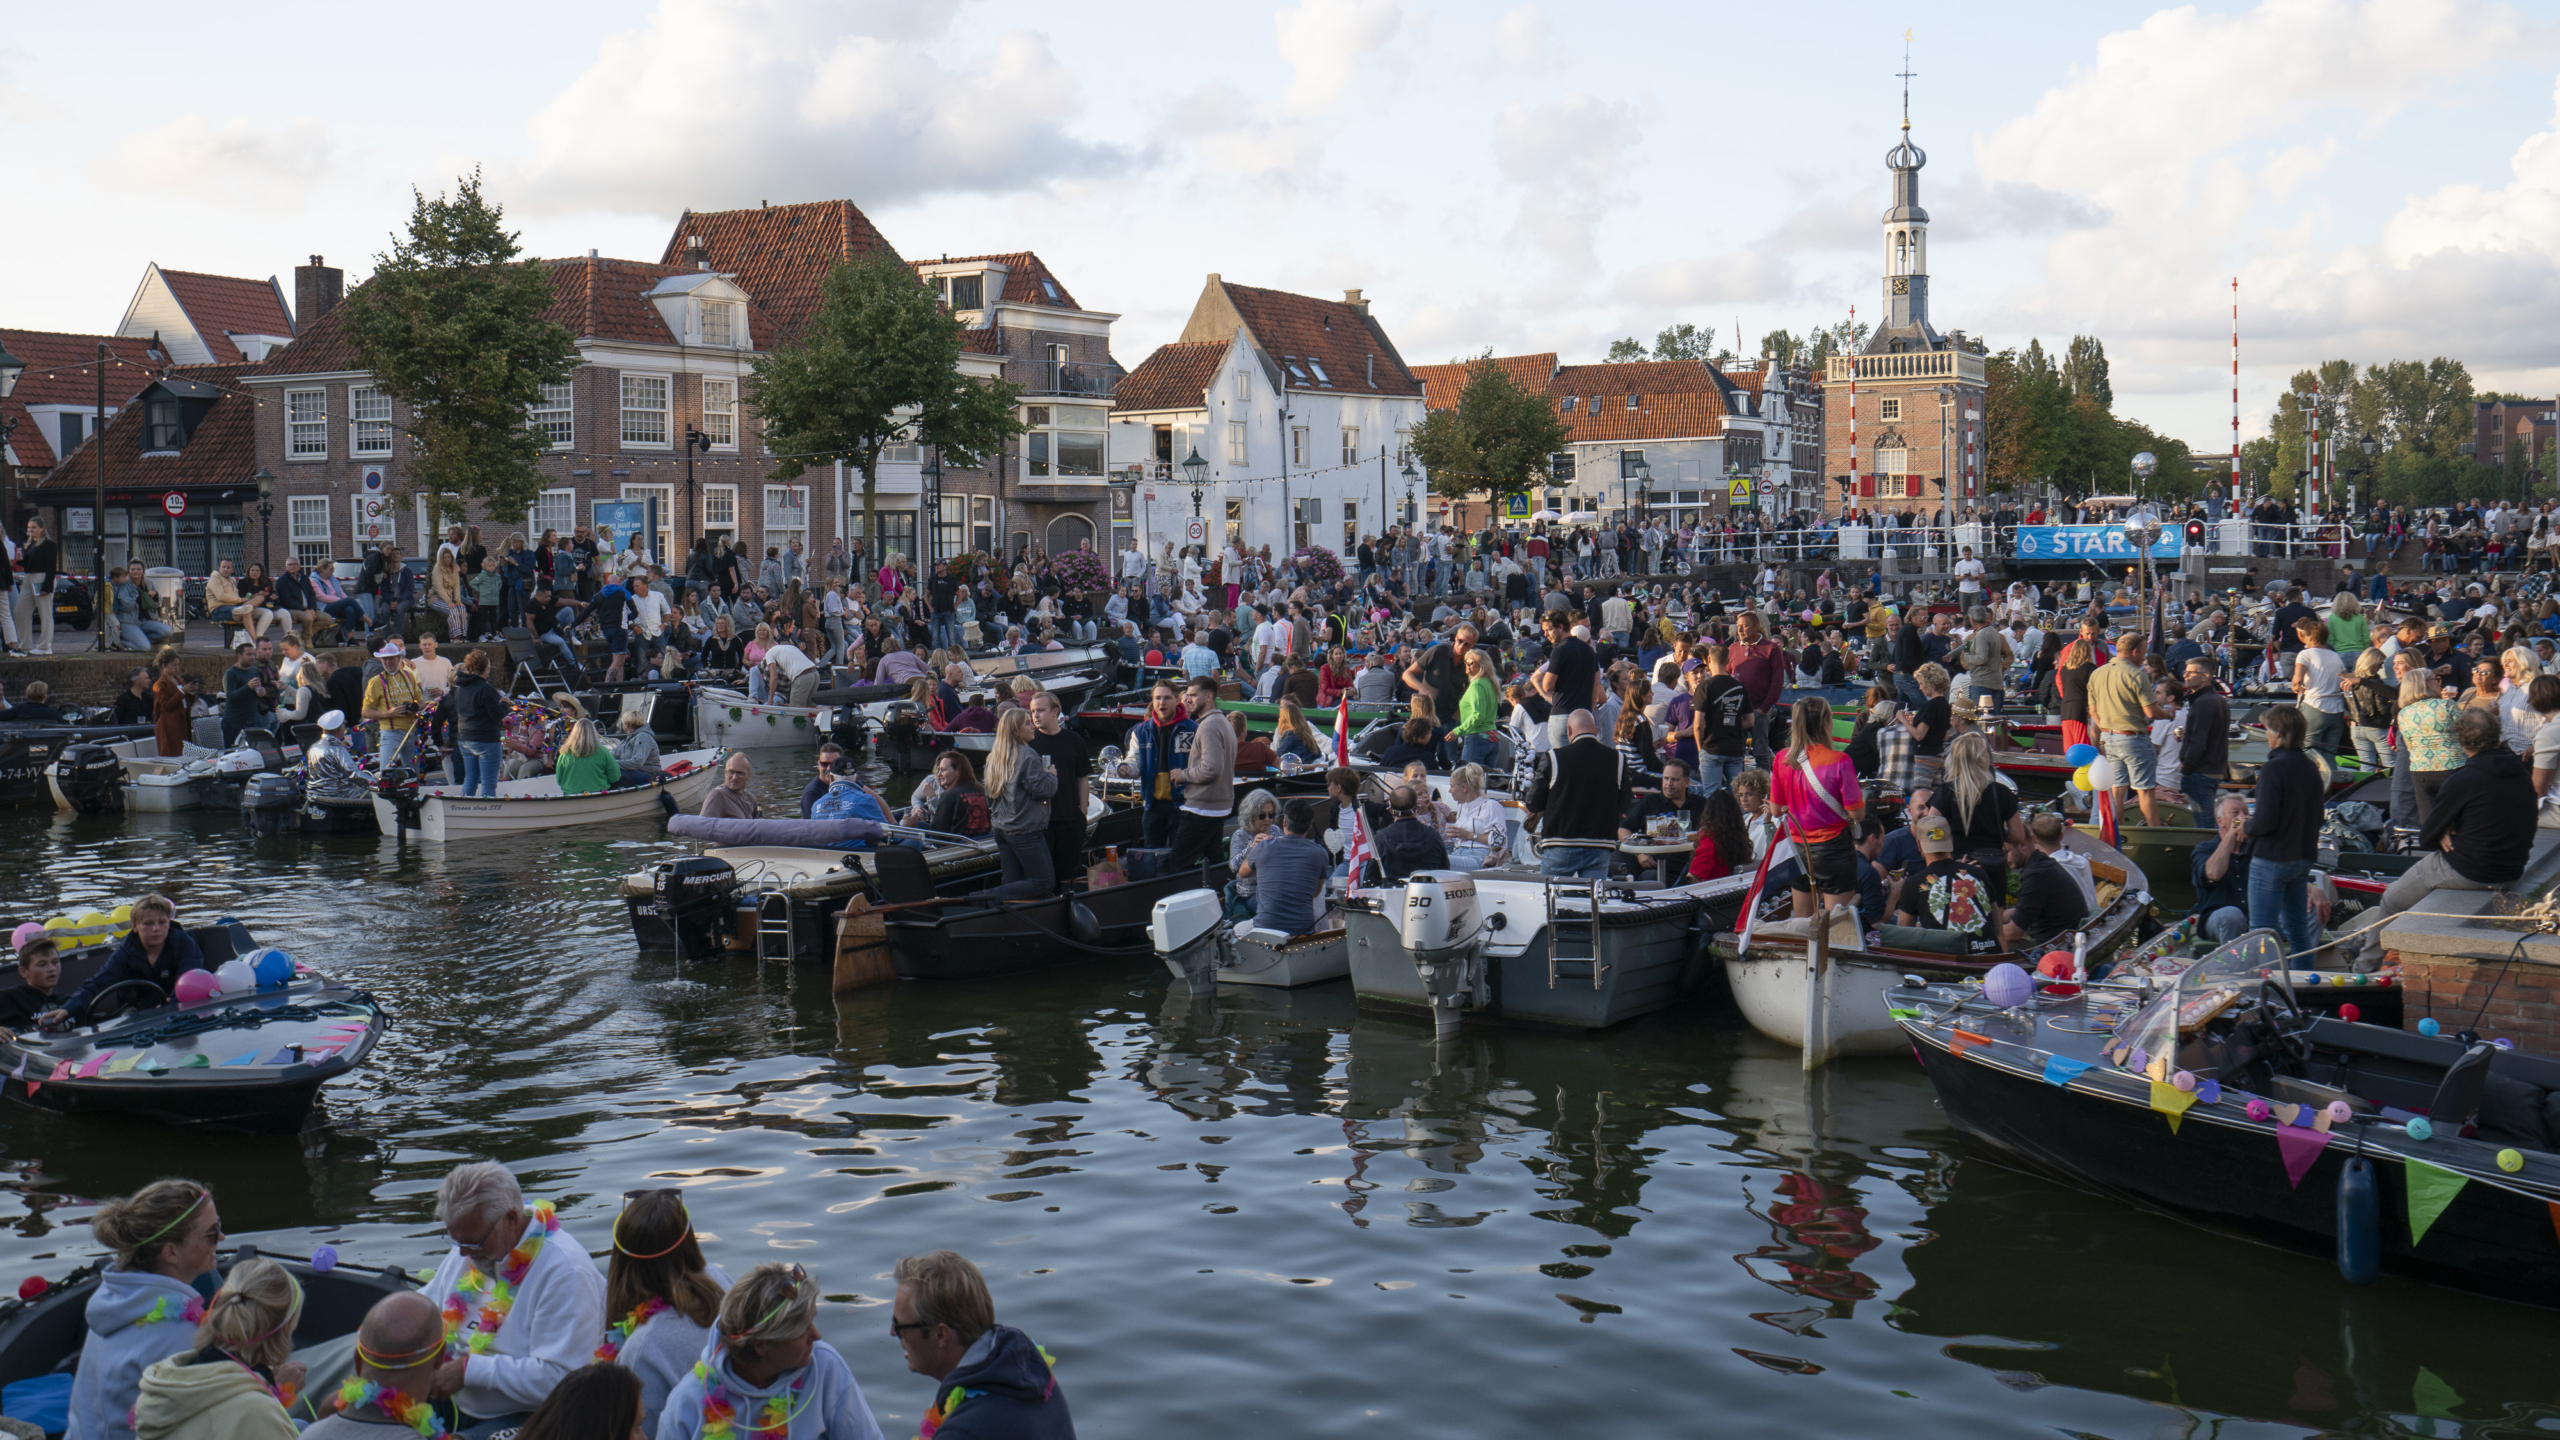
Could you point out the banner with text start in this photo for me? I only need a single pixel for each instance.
(2091, 542)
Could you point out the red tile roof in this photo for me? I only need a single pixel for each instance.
(985, 340)
(1173, 378)
(222, 451)
(1023, 274)
(1353, 349)
(1441, 383)
(1675, 399)
(780, 254)
(60, 371)
(597, 299)
(226, 305)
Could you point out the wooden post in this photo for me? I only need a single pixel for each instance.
(862, 947)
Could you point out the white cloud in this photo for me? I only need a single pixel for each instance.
(236, 164)
(1522, 38)
(1563, 157)
(724, 102)
(1325, 42)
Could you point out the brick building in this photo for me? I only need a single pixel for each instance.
(180, 477)
(2508, 433)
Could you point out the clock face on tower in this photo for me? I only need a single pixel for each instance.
(1901, 284)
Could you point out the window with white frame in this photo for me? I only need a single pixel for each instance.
(786, 515)
(720, 510)
(1298, 445)
(307, 524)
(644, 410)
(719, 323)
(1235, 522)
(1404, 447)
(556, 510)
(306, 424)
(663, 547)
(720, 413)
(1235, 442)
(1350, 444)
(1350, 526)
(1888, 409)
(368, 420)
(1244, 384)
(554, 416)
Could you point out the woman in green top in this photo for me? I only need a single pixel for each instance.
(2349, 629)
(1479, 711)
(2426, 727)
(585, 766)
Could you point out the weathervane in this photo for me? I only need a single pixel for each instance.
(1906, 72)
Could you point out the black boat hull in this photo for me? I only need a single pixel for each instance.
(39, 1333)
(1003, 940)
(28, 751)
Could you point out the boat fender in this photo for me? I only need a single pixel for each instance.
(2359, 1223)
(1081, 925)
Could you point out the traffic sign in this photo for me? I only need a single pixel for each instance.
(1739, 492)
(373, 532)
(1195, 531)
(174, 503)
(373, 480)
(373, 508)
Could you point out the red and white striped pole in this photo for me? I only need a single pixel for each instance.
(1855, 488)
(2235, 394)
(2319, 489)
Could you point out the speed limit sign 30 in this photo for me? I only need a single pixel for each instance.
(1196, 531)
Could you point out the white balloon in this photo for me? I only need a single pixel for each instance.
(2105, 773)
(235, 977)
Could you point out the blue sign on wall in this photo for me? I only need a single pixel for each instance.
(2091, 542)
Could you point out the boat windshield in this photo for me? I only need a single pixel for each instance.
(2148, 1038)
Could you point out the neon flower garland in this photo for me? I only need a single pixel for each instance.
(479, 1304)
(618, 1335)
(160, 1310)
(720, 1413)
(417, 1414)
(956, 1397)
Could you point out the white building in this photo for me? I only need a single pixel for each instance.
(1302, 409)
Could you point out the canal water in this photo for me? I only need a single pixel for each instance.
(1258, 1214)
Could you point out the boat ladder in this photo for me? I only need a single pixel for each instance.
(1573, 945)
(773, 927)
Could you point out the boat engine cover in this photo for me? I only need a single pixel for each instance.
(698, 898)
(90, 777)
(1182, 918)
(1440, 911)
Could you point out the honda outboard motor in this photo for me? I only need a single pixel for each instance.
(87, 779)
(698, 899)
(1444, 932)
(1190, 935)
(272, 804)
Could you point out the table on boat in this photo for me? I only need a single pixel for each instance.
(1670, 858)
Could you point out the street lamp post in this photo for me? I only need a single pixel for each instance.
(1411, 516)
(2142, 528)
(933, 484)
(266, 482)
(693, 440)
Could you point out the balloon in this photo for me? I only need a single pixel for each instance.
(2105, 773)
(2007, 985)
(33, 1286)
(324, 1259)
(2340, 1112)
(235, 977)
(60, 922)
(2056, 963)
(2184, 1080)
(2258, 1110)
(2510, 1161)
(2350, 1014)
(197, 985)
(2080, 779)
(2419, 1129)
(121, 915)
(18, 939)
(2429, 1026)
(95, 919)
(2080, 754)
(2311, 977)
(273, 967)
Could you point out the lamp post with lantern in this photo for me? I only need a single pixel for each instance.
(265, 480)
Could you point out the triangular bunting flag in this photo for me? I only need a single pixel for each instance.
(2298, 1148)
(1901, 1013)
(249, 1059)
(2171, 1101)
(1959, 1041)
(2062, 1069)
(2431, 1397)
(89, 1071)
(60, 1069)
(197, 1061)
(153, 1066)
(21, 1072)
(2431, 1188)
(124, 1063)
(286, 1056)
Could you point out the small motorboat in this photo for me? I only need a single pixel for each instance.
(729, 719)
(772, 889)
(2220, 1101)
(42, 1322)
(27, 753)
(1194, 940)
(442, 812)
(150, 783)
(251, 1058)
(970, 936)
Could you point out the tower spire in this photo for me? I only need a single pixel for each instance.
(1906, 72)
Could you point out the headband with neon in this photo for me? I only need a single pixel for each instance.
(687, 1234)
(201, 1193)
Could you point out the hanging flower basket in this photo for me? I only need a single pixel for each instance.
(1317, 566)
(1078, 571)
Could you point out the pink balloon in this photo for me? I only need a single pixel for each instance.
(19, 937)
(2340, 1112)
(2260, 1110)
(197, 985)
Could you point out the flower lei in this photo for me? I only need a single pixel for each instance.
(957, 1396)
(417, 1414)
(618, 1335)
(480, 1303)
(720, 1413)
(161, 1310)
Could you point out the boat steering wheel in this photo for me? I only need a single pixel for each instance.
(121, 984)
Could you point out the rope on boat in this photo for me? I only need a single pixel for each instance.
(233, 1019)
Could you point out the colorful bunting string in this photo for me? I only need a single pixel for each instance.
(2431, 1188)
(2299, 1149)
(2171, 1101)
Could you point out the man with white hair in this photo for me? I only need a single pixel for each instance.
(523, 1304)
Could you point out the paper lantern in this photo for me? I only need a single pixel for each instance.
(18, 938)
(2340, 1112)
(273, 967)
(2420, 1129)
(2105, 773)
(2080, 779)
(2258, 1110)
(2056, 963)
(2350, 1013)
(235, 977)
(2429, 1026)
(2007, 985)
(2511, 1161)
(324, 1259)
(2184, 1080)
(2080, 754)
(197, 985)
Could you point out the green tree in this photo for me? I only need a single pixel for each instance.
(2422, 406)
(1683, 341)
(878, 361)
(1845, 338)
(1496, 440)
(1623, 351)
(1785, 348)
(2084, 369)
(2026, 416)
(455, 328)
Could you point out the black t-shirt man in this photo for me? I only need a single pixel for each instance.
(1575, 665)
(945, 592)
(1644, 807)
(2050, 902)
(1724, 701)
(1439, 666)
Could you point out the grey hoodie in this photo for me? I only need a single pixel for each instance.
(124, 1340)
(1025, 802)
(1209, 786)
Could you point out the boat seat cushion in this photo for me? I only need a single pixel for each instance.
(2513, 1112)
(1919, 937)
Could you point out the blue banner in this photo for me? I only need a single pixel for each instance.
(2091, 542)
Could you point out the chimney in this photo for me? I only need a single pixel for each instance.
(316, 289)
(694, 252)
(1352, 299)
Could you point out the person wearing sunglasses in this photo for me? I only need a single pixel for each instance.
(990, 1381)
(164, 1236)
(660, 1299)
(523, 1304)
(767, 1371)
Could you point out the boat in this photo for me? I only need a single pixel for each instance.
(251, 1059)
(728, 719)
(27, 753)
(152, 783)
(43, 1322)
(441, 812)
(1514, 947)
(1191, 936)
(776, 896)
(2218, 1101)
(905, 742)
(1814, 995)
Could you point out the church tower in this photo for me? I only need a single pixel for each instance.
(1906, 239)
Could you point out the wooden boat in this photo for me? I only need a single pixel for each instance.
(1817, 997)
(27, 752)
(725, 719)
(2076, 1088)
(252, 1060)
(440, 813)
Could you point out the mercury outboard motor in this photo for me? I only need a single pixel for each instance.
(1443, 929)
(399, 785)
(272, 804)
(87, 780)
(697, 898)
(1190, 934)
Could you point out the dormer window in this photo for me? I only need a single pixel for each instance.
(162, 428)
(940, 285)
(719, 323)
(1568, 404)
(1050, 289)
(968, 292)
(1318, 366)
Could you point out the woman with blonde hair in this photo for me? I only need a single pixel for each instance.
(767, 1372)
(1478, 828)
(237, 1383)
(586, 764)
(928, 702)
(1297, 736)
(164, 1235)
(445, 596)
(661, 1297)
(1982, 812)
(1019, 782)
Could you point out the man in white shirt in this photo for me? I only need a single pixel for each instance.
(555, 1317)
(1968, 580)
(1133, 561)
(788, 669)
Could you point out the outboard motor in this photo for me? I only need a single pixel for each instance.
(1443, 930)
(87, 780)
(399, 785)
(262, 743)
(697, 897)
(1190, 934)
(272, 804)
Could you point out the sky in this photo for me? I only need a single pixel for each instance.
(2381, 176)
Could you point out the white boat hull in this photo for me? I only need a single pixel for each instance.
(537, 804)
(159, 793)
(1308, 960)
(1844, 1015)
(754, 724)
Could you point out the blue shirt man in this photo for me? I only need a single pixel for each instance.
(1198, 660)
(1289, 875)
